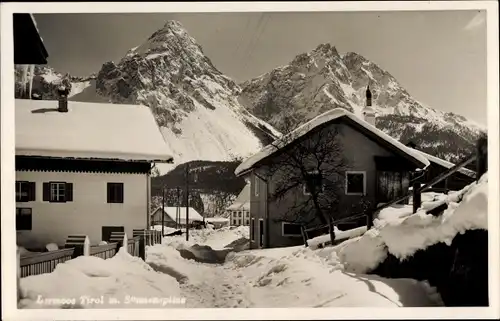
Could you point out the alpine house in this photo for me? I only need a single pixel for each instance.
(83, 169)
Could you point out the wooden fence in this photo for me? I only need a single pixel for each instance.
(46, 262)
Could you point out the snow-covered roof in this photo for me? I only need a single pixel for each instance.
(447, 164)
(172, 210)
(242, 202)
(317, 121)
(88, 130)
(216, 219)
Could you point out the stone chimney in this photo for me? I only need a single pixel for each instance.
(63, 99)
(368, 111)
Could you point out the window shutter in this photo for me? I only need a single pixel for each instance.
(46, 192)
(120, 192)
(69, 192)
(32, 191)
(108, 193)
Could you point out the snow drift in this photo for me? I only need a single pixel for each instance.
(402, 233)
(91, 282)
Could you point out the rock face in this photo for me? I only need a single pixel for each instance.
(323, 79)
(194, 104)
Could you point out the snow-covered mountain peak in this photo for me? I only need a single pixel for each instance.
(194, 104)
(321, 79)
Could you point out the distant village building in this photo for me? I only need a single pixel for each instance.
(83, 169)
(176, 217)
(379, 170)
(239, 211)
(217, 222)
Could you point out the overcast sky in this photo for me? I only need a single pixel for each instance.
(439, 57)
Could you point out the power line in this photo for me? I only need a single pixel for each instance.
(242, 37)
(264, 25)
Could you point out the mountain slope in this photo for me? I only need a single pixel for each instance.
(322, 79)
(194, 104)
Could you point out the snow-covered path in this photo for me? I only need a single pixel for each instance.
(285, 277)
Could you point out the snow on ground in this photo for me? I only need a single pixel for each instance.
(282, 277)
(126, 278)
(166, 229)
(217, 239)
(339, 235)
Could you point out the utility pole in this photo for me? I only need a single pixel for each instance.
(163, 212)
(178, 209)
(187, 201)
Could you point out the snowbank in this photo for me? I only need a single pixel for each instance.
(404, 236)
(76, 282)
(167, 230)
(401, 233)
(339, 236)
(287, 277)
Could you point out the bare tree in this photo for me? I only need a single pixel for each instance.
(308, 175)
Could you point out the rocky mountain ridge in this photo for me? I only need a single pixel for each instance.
(205, 115)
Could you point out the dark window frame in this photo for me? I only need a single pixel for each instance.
(30, 191)
(352, 173)
(321, 180)
(19, 220)
(59, 199)
(115, 193)
(252, 230)
(283, 224)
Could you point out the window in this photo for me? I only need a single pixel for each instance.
(239, 214)
(25, 191)
(316, 181)
(291, 229)
(234, 222)
(58, 192)
(256, 185)
(247, 222)
(355, 183)
(252, 230)
(115, 192)
(23, 219)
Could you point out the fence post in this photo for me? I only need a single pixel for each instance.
(86, 246)
(417, 200)
(18, 261)
(369, 220)
(304, 234)
(77, 242)
(125, 242)
(142, 246)
(117, 237)
(482, 156)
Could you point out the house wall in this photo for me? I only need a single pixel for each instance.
(455, 182)
(89, 210)
(236, 219)
(359, 151)
(258, 209)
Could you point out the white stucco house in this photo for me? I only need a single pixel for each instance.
(83, 168)
(239, 210)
